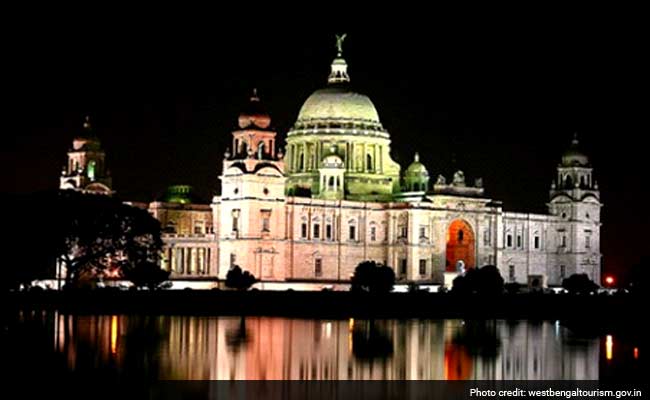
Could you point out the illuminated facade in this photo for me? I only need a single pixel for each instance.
(332, 197)
(337, 198)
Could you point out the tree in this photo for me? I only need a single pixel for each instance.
(485, 280)
(579, 284)
(373, 277)
(236, 279)
(147, 274)
(97, 233)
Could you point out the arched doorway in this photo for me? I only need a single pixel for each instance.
(460, 246)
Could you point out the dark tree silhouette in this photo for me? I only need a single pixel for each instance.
(86, 234)
(236, 279)
(147, 274)
(579, 284)
(97, 233)
(486, 280)
(373, 277)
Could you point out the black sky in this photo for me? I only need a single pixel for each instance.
(497, 101)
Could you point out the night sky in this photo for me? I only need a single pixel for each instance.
(498, 102)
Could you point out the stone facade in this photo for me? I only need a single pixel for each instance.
(335, 198)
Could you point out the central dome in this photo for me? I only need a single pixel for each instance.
(337, 102)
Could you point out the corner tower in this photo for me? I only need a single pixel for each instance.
(575, 201)
(249, 216)
(337, 120)
(86, 170)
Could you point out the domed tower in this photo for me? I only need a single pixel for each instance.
(337, 117)
(249, 215)
(575, 200)
(416, 177)
(85, 170)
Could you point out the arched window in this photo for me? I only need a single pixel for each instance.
(368, 162)
(90, 172)
(568, 182)
(301, 163)
(461, 234)
(330, 184)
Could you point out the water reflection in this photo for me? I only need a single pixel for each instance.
(187, 347)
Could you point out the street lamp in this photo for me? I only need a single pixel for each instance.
(609, 280)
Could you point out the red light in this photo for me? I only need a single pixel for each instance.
(609, 280)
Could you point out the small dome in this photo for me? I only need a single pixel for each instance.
(332, 161)
(416, 168)
(254, 114)
(180, 194)
(337, 102)
(574, 156)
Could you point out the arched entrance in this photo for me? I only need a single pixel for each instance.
(460, 246)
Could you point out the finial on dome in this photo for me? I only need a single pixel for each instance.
(255, 97)
(87, 122)
(416, 157)
(339, 44)
(339, 72)
(575, 138)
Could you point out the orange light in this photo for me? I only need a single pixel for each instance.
(609, 347)
(636, 353)
(609, 280)
(114, 334)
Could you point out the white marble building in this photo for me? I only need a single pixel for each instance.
(333, 197)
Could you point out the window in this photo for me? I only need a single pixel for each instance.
(198, 228)
(403, 232)
(563, 241)
(316, 231)
(402, 266)
(318, 267)
(511, 273)
(352, 232)
(303, 230)
(509, 240)
(587, 242)
(235, 220)
(423, 267)
(423, 232)
(461, 235)
(519, 241)
(562, 272)
(486, 237)
(536, 242)
(328, 231)
(266, 220)
(233, 259)
(373, 233)
(587, 215)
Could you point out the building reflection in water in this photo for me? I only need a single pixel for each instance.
(253, 348)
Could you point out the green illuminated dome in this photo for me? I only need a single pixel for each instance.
(338, 103)
(416, 168)
(181, 194)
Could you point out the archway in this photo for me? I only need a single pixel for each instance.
(461, 246)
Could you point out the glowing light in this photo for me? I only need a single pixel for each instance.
(609, 347)
(609, 280)
(114, 334)
(636, 353)
(350, 329)
(328, 330)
